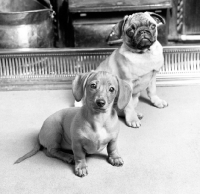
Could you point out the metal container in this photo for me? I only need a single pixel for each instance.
(25, 24)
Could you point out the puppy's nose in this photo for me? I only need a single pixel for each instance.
(143, 32)
(100, 102)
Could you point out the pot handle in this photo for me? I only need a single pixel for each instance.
(52, 12)
(48, 4)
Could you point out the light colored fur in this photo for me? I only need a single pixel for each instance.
(136, 67)
(88, 129)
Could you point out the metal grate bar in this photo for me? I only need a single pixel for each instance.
(179, 62)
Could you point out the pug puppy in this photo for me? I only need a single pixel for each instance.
(137, 61)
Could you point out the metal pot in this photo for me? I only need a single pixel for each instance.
(25, 24)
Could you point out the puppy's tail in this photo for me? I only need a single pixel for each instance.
(31, 153)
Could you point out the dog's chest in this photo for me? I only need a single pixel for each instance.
(133, 64)
(142, 82)
(96, 141)
(139, 65)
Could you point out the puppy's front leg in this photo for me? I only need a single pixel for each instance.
(80, 161)
(113, 157)
(151, 92)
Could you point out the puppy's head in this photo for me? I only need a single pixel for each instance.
(139, 30)
(101, 89)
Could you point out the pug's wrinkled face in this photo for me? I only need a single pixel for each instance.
(140, 31)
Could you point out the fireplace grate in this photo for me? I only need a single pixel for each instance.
(25, 66)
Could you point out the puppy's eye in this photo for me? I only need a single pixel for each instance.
(153, 26)
(111, 89)
(130, 32)
(93, 86)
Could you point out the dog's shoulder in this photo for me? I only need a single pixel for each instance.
(112, 63)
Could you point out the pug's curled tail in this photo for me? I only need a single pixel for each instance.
(31, 153)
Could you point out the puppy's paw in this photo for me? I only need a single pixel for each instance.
(115, 161)
(81, 172)
(81, 169)
(133, 118)
(136, 123)
(160, 103)
(157, 102)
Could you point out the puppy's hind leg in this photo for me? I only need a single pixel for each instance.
(59, 154)
(51, 137)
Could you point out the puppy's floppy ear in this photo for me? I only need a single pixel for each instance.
(78, 85)
(124, 94)
(119, 27)
(158, 18)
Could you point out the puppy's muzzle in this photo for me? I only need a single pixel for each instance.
(143, 35)
(100, 103)
(144, 32)
(144, 39)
